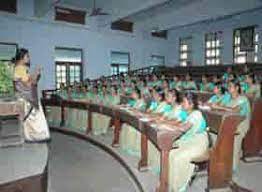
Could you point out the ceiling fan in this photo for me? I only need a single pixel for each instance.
(96, 11)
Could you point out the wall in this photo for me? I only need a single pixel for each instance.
(41, 36)
(198, 31)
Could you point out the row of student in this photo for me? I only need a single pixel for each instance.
(185, 82)
(248, 85)
(165, 109)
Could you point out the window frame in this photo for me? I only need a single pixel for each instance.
(159, 56)
(117, 65)
(188, 51)
(5, 43)
(68, 64)
(216, 48)
(245, 54)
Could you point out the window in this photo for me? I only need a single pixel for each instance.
(241, 57)
(212, 49)
(185, 51)
(122, 26)
(7, 51)
(160, 34)
(8, 6)
(157, 60)
(120, 62)
(70, 15)
(68, 66)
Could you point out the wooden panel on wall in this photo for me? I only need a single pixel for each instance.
(8, 6)
(122, 26)
(70, 15)
(160, 34)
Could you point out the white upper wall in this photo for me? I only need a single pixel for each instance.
(41, 36)
(183, 12)
(226, 26)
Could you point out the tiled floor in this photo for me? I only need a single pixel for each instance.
(83, 164)
(78, 166)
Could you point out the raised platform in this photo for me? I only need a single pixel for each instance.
(24, 168)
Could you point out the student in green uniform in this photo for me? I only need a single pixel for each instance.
(154, 101)
(189, 84)
(173, 83)
(219, 96)
(176, 115)
(239, 104)
(82, 115)
(192, 143)
(165, 86)
(179, 84)
(156, 82)
(205, 85)
(254, 89)
(226, 75)
(130, 137)
(113, 97)
(100, 123)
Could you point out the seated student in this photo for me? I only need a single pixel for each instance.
(220, 97)
(159, 105)
(156, 82)
(240, 104)
(113, 98)
(205, 85)
(192, 143)
(165, 86)
(242, 76)
(173, 83)
(123, 88)
(144, 89)
(253, 88)
(91, 94)
(189, 84)
(226, 75)
(215, 79)
(176, 115)
(179, 84)
(100, 123)
(72, 112)
(130, 137)
(81, 115)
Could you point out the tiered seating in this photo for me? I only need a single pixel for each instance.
(224, 124)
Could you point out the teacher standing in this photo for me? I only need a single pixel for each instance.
(34, 122)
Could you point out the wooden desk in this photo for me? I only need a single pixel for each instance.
(222, 123)
(252, 145)
(11, 136)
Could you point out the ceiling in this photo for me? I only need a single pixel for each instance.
(164, 14)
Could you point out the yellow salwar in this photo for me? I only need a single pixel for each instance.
(130, 138)
(180, 167)
(54, 115)
(100, 123)
(78, 119)
(191, 144)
